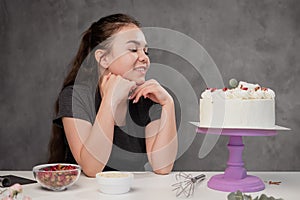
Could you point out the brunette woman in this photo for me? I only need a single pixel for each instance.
(108, 117)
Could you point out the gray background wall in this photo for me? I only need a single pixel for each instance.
(257, 41)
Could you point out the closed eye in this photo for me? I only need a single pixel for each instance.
(134, 50)
(137, 46)
(146, 52)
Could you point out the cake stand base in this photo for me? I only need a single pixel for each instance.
(247, 184)
(235, 176)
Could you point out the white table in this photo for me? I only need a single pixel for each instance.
(148, 185)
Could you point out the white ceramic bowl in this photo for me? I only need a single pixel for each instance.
(57, 176)
(114, 182)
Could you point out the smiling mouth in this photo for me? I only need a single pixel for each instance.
(141, 69)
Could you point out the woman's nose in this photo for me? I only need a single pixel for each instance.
(143, 57)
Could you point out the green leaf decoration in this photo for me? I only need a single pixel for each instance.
(238, 195)
(233, 83)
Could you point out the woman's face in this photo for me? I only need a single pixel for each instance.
(128, 56)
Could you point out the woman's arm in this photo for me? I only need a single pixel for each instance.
(161, 141)
(91, 144)
(161, 135)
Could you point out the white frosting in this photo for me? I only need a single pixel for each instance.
(247, 106)
(251, 86)
(243, 91)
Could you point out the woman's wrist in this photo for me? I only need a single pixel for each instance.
(168, 101)
(106, 101)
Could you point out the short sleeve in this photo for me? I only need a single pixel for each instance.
(155, 112)
(76, 102)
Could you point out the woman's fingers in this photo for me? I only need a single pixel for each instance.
(116, 87)
(142, 92)
(105, 78)
(139, 88)
(151, 91)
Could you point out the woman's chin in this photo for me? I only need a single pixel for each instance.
(140, 82)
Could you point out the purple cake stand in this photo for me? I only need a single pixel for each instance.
(235, 176)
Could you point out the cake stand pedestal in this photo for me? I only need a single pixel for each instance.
(235, 176)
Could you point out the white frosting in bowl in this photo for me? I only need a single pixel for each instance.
(114, 182)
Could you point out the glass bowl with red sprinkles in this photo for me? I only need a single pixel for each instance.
(56, 176)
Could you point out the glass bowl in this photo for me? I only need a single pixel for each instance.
(56, 176)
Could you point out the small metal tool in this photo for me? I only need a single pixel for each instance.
(186, 183)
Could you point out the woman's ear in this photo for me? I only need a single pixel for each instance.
(101, 58)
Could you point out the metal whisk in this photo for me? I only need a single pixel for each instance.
(186, 184)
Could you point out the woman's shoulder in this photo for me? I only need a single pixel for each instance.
(77, 89)
(66, 92)
(67, 89)
(78, 102)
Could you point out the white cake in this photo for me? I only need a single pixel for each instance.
(246, 106)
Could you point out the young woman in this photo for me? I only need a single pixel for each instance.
(120, 121)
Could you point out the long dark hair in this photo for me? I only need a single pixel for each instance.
(96, 34)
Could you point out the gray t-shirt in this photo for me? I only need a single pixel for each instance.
(129, 149)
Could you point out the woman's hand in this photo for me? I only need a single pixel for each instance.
(153, 90)
(115, 88)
